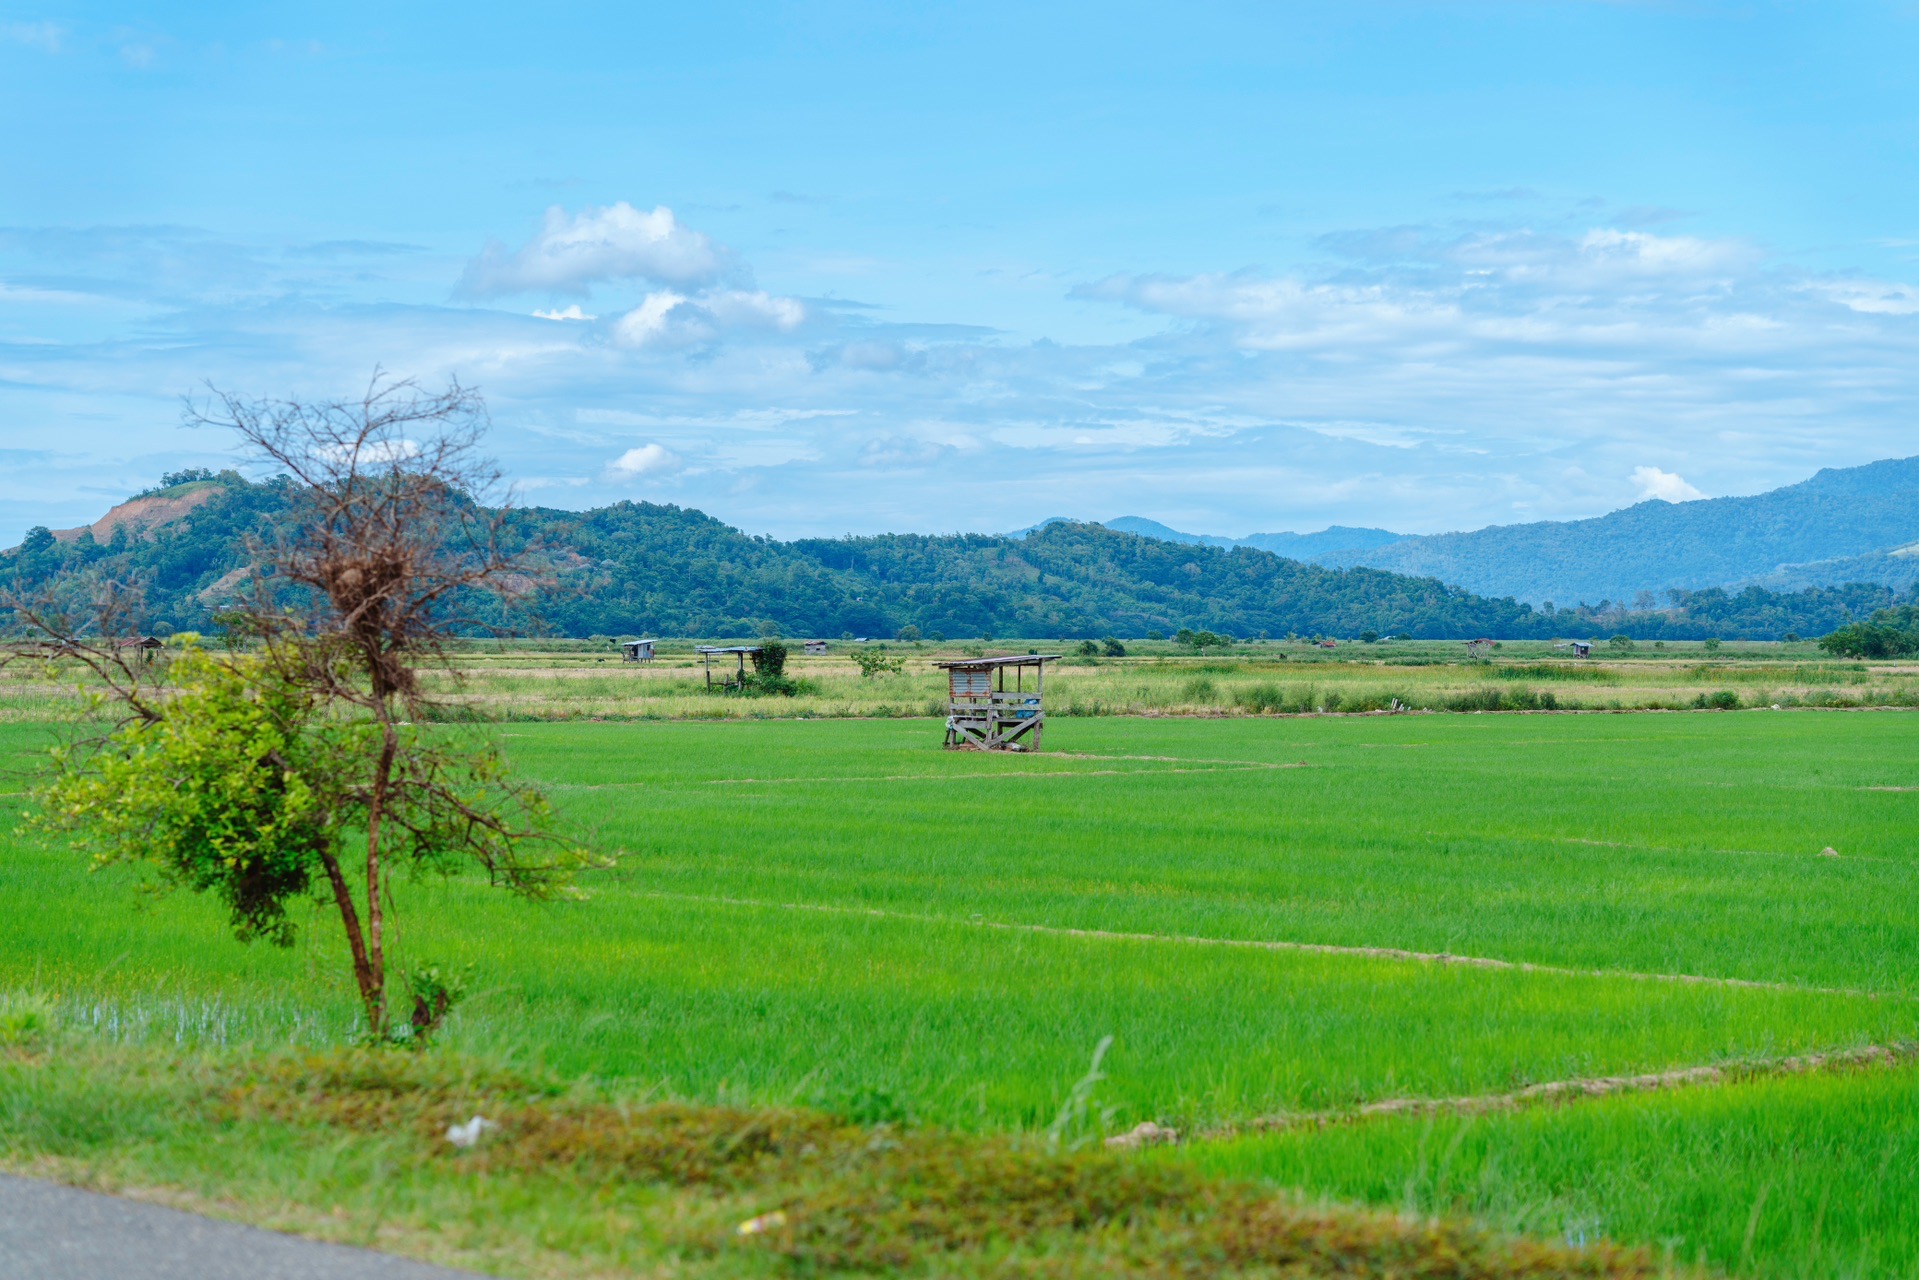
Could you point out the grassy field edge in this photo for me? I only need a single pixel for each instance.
(569, 1180)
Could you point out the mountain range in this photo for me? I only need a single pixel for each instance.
(644, 568)
(1844, 525)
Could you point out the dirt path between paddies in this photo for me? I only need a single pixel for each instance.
(1312, 948)
(1557, 1091)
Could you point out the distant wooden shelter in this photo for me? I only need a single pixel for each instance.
(737, 680)
(816, 646)
(145, 647)
(636, 650)
(982, 714)
(1582, 649)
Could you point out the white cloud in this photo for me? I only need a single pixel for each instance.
(572, 253)
(1414, 378)
(668, 319)
(375, 453)
(758, 310)
(1652, 254)
(1664, 485)
(45, 36)
(1873, 297)
(652, 322)
(646, 460)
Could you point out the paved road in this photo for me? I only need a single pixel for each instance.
(50, 1232)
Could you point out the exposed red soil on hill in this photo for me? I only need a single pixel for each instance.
(142, 516)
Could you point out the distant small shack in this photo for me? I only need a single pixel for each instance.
(735, 680)
(816, 646)
(636, 650)
(144, 648)
(982, 714)
(1582, 649)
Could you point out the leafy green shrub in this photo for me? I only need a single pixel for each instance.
(1199, 689)
(435, 991)
(770, 660)
(25, 1019)
(1112, 648)
(874, 660)
(1200, 641)
(768, 677)
(1723, 700)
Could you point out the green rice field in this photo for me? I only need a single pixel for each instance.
(1272, 917)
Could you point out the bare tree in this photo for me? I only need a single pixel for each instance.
(398, 532)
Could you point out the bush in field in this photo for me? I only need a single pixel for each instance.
(1112, 648)
(1200, 641)
(874, 660)
(1087, 649)
(770, 660)
(1723, 700)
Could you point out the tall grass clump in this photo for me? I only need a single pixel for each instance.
(1515, 698)
(1548, 671)
(1267, 698)
(1199, 689)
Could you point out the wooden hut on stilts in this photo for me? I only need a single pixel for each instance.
(982, 714)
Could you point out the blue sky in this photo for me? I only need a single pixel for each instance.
(858, 267)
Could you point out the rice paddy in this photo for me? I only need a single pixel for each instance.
(583, 680)
(1270, 916)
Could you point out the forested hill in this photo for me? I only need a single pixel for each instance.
(641, 568)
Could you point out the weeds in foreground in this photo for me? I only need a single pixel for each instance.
(806, 1192)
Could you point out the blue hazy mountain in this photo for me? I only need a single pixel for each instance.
(1294, 546)
(1843, 525)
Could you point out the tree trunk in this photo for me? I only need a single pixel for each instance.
(375, 918)
(371, 995)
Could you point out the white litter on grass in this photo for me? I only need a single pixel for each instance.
(765, 1222)
(1144, 1134)
(468, 1134)
(1829, 852)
